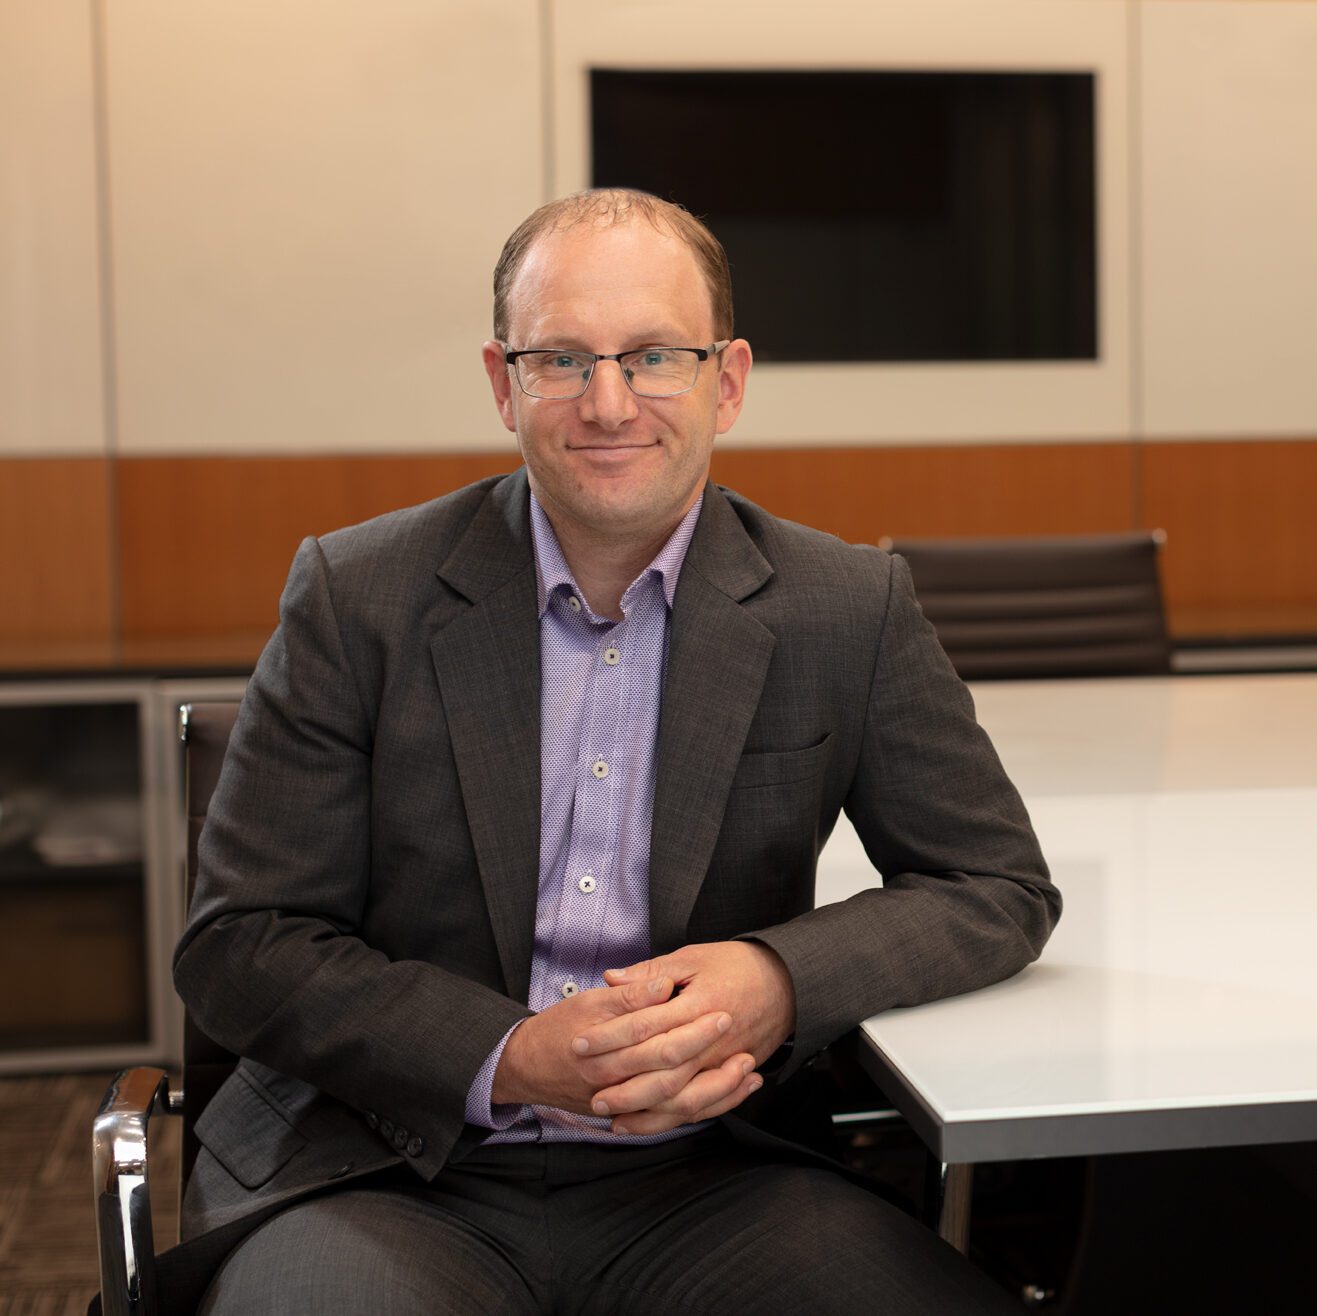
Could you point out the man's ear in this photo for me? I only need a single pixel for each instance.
(736, 361)
(500, 379)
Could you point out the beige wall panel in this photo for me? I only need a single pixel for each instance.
(1229, 214)
(50, 361)
(858, 404)
(308, 199)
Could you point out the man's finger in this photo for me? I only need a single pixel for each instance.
(709, 1093)
(669, 1090)
(635, 1025)
(644, 1090)
(666, 1050)
(672, 966)
(632, 973)
(637, 994)
(747, 1088)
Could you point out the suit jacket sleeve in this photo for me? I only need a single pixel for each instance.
(966, 898)
(290, 956)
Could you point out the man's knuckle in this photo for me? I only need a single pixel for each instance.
(670, 1084)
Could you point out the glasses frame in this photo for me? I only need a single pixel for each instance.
(701, 354)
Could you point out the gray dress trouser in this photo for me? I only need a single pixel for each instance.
(697, 1225)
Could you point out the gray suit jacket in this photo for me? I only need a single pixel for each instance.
(362, 925)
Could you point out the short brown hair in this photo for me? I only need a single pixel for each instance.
(617, 205)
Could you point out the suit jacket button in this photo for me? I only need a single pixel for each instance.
(386, 1128)
(400, 1137)
(342, 1170)
(372, 1120)
(416, 1146)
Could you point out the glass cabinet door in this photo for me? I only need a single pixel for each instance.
(74, 973)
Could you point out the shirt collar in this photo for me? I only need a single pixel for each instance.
(551, 567)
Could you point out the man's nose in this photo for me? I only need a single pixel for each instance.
(609, 401)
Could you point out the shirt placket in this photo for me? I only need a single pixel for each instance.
(592, 853)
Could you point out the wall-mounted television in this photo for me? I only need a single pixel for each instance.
(877, 215)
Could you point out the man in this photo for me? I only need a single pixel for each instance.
(506, 889)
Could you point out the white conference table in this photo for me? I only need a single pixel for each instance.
(1176, 1003)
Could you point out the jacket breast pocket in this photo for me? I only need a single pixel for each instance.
(249, 1137)
(781, 767)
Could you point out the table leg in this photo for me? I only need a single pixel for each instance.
(948, 1201)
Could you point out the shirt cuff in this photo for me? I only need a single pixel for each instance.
(480, 1108)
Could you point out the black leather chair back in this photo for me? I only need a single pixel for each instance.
(206, 1064)
(1064, 605)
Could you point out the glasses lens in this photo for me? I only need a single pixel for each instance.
(659, 372)
(554, 374)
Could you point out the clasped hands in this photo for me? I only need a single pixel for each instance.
(651, 1056)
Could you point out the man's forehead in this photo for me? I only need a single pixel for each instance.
(584, 243)
(617, 260)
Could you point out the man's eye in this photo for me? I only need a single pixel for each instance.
(564, 361)
(649, 360)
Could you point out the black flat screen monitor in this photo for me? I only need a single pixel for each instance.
(877, 216)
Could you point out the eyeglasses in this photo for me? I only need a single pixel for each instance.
(559, 373)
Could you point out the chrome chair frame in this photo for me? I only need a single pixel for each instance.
(124, 1234)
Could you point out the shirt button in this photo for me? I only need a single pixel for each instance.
(600, 769)
(569, 988)
(573, 603)
(586, 884)
(612, 657)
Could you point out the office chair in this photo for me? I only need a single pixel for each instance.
(1061, 605)
(119, 1139)
(119, 1160)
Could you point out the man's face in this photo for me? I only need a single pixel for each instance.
(609, 464)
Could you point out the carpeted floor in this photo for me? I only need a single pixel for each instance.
(47, 1226)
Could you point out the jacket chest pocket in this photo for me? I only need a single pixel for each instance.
(792, 767)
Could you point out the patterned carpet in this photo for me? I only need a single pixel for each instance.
(47, 1226)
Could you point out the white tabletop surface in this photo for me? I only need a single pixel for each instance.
(1176, 1003)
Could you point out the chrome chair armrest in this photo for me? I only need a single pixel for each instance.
(123, 1205)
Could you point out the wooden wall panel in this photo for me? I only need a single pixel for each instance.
(206, 542)
(55, 553)
(1241, 553)
(861, 494)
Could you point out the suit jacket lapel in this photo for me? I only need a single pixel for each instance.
(487, 659)
(718, 658)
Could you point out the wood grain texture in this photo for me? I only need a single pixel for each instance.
(861, 494)
(1241, 551)
(204, 543)
(56, 555)
(207, 541)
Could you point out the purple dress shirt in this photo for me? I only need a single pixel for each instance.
(601, 686)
